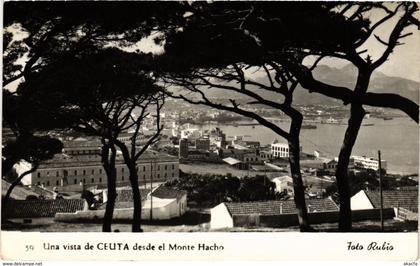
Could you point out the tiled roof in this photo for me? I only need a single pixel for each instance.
(126, 194)
(276, 207)
(42, 208)
(407, 199)
(231, 161)
(125, 197)
(164, 192)
(19, 192)
(65, 160)
(237, 151)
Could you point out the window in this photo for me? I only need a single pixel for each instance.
(75, 172)
(84, 180)
(57, 174)
(166, 167)
(39, 175)
(158, 167)
(93, 180)
(75, 181)
(100, 171)
(56, 183)
(158, 176)
(48, 183)
(144, 168)
(166, 175)
(84, 172)
(100, 180)
(48, 173)
(173, 166)
(93, 171)
(144, 177)
(122, 170)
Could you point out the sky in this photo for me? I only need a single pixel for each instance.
(403, 62)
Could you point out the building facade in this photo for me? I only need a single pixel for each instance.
(265, 155)
(202, 144)
(368, 163)
(280, 150)
(245, 156)
(80, 165)
(183, 148)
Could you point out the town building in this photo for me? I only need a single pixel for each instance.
(41, 211)
(368, 163)
(81, 165)
(202, 144)
(190, 133)
(162, 203)
(247, 156)
(236, 163)
(265, 155)
(202, 156)
(24, 192)
(330, 166)
(370, 199)
(217, 137)
(284, 184)
(239, 142)
(403, 204)
(280, 149)
(275, 213)
(183, 148)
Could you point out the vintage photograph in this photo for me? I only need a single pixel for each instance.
(210, 116)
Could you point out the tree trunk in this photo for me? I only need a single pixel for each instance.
(343, 185)
(12, 186)
(294, 160)
(108, 163)
(357, 114)
(134, 182)
(136, 226)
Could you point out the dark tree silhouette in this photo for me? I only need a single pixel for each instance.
(32, 149)
(221, 53)
(284, 34)
(277, 36)
(133, 150)
(233, 79)
(25, 146)
(97, 94)
(51, 31)
(404, 14)
(50, 34)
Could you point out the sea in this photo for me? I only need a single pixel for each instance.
(397, 139)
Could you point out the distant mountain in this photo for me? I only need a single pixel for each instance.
(345, 76)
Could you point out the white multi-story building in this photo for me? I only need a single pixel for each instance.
(280, 150)
(368, 163)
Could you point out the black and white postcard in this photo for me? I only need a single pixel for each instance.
(210, 130)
